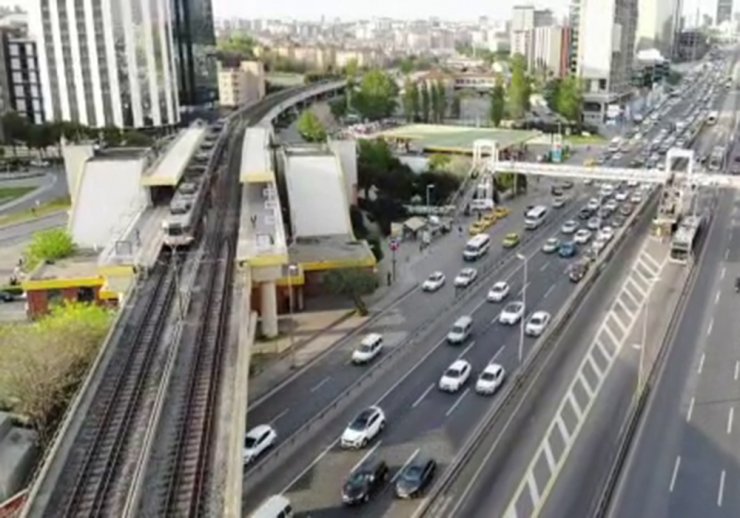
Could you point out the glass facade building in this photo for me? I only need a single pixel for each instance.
(195, 43)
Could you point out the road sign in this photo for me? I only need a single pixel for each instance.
(394, 245)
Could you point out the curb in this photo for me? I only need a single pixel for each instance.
(20, 176)
(33, 220)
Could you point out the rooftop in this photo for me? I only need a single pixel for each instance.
(327, 252)
(83, 265)
(256, 166)
(457, 139)
(168, 169)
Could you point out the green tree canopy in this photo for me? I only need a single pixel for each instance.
(425, 102)
(439, 161)
(376, 98)
(353, 283)
(498, 103)
(410, 101)
(310, 127)
(239, 44)
(455, 107)
(16, 127)
(569, 99)
(49, 245)
(135, 138)
(44, 363)
(441, 108)
(519, 89)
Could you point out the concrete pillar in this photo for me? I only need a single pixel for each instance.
(268, 309)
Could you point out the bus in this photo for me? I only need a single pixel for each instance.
(717, 158)
(477, 247)
(535, 217)
(712, 117)
(685, 239)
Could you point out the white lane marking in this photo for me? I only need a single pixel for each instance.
(721, 491)
(737, 369)
(454, 405)
(655, 264)
(493, 358)
(408, 461)
(730, 417)
(711, 325)
(727, 253)
(691, 409)
(367, 455)
(631, 297)
(724, 270)
(534, 492)
(616, 341)
(563, 430)
(423, 395)
(633, 284)
(646, 267)
(320, 384)
(281, 414)
(549, 290)
(716, 297)
(701, 364)
(544, 266)
(466, 350)
(549, 455)
(675, 474)
(615, 318)
(524, 288)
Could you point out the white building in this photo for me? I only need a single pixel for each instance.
(524, 20)
(241, 85)
(656, 21)
(547, 50)
(106, 63)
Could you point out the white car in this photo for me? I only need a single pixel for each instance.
(605, 234)
(257, 440)
(465, 277)
(537, 323)
(621, 196)
(636, 197)
(551, 245)
(490, 379)
(632, 183)
(569, 227)
(588, 181)
(593, 204)
(434, 282)
(455, 376)
(594, 223)
(512, 313)
(583, 236)
(611, 205)
(369, 348)
(498, 292)
(598, 245)
(363, 428)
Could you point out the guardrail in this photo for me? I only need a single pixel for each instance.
(288, 445)
(560, 323)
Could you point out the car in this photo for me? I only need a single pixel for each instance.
(567, 249)
(618, 156)
(39, 163)
(567, 184)
(626, 209)
(434, 282)
(606, 234)
(489, 218)
(559, 202)
(363, 428)
(259, 439)
(510, 240)
(501, 212)
(512, 313)
(604, 213)
(556, 190)
(537, 323)
(415, 477)
(527, 209)
(455, 376)
(498, 292)
(551, 245)
(598, 245)
(585, 213)
(594, 223)
(621, 195)
(490, 380)
(636, 197)
(590, 255)
(578, 271)
(611, 205)
(569, 227)
(465, 277)
(369, 348)
(477, 227)
(583, 236)
(593, 204)
(589, 181)
(365, 481)
(617, 221)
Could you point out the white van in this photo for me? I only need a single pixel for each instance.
(277, 506)
(477, 247)
(461, 330)
(535, 217)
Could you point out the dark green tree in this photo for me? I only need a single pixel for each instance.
(569, 100)
(376, 97)
(519, 89)
(133, 138)
(353, 283)
(410, 100)
(498, 103)
(16, 129)
(441, 108)
(425, 102)
(48, 245)
(455, 107)
(111, 136)
(310, 127)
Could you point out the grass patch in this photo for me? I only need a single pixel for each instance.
(11, 193)
(577, 140)
(44, 209)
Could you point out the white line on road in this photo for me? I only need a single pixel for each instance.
(549, 290)
(281, 414)
(724, 270)
(320, 384)
(701, 364)
(408, 461)
(721, 491)
(466, 350)
(454, 405)
(716, 297)
(737, 369)
(730, 417)
(691, 410)
(367, 455)
(711, 325)
(675, 474)
(544, 266)
(524, 287)
(727, 254)
(423, 395)
(497, 354)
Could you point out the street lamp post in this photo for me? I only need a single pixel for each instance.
(292, 269)
(523, 258)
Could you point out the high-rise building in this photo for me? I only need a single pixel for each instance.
(724, 11)
(656, 25)
(106, 63)
(524, 20)
(240, 84)
(195, 42)
(24, 84)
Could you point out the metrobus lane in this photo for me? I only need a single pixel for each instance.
(333, 374)
(420, 417)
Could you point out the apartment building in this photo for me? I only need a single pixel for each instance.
(241, 84)
(23, 82)
(106, 63)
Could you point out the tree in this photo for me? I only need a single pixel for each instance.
(498, 103)
(44, 363)
(353, 283)
(408, 100)
(439, 162)
(569, 100)
(338, 108)
(133, 138)
(16, 128)
(241, 45)
(112, 136)
(376, 98)
(310, 127)
(441, 101)
(434, 101)
(407, 66)
(48, 245)
(425, 102)
(455, 107)
(551, 92)
(519, 89)
(351, 71)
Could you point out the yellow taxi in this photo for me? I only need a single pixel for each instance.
(489, 219)
(477, 227)
(511, 240)
(501, 212)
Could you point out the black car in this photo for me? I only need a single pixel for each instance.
(578, 271)
(415, 478)
(556, 191)
(617, 221)
(364, 482)
(585, 214)
(626, 209)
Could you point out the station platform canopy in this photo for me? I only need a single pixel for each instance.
(256, 166)
(168, 169)
(455, 139)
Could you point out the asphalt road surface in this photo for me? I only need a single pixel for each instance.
(51, 186)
